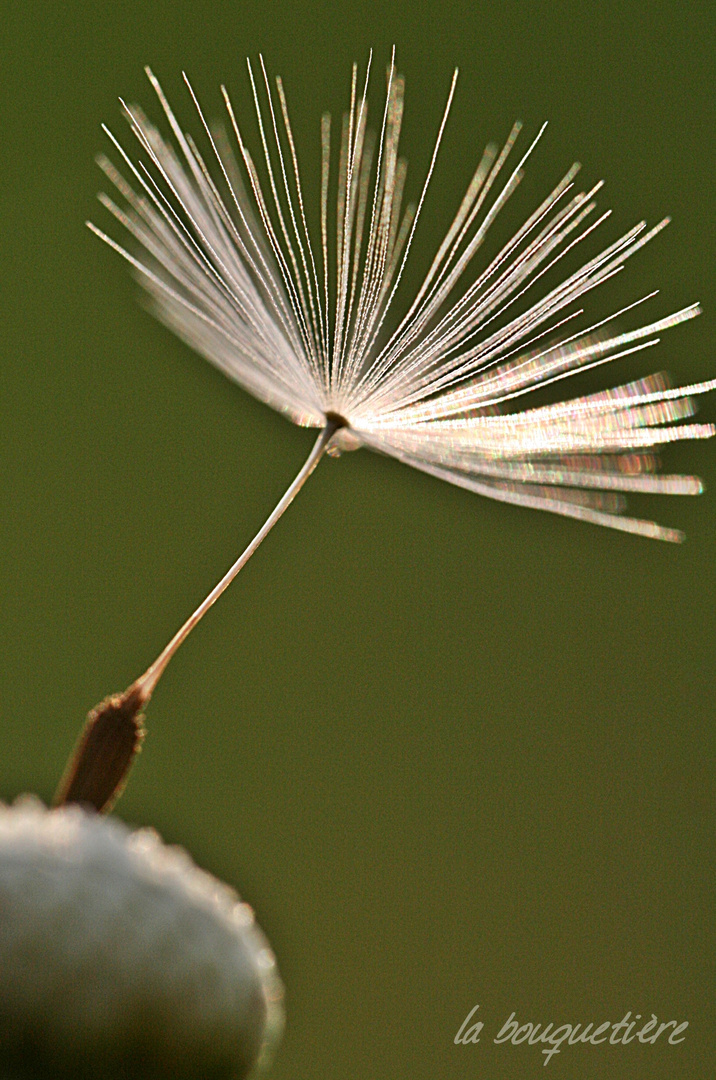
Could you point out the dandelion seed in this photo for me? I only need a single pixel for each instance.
(225, 252)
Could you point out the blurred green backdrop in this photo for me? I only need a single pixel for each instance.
(453, 752)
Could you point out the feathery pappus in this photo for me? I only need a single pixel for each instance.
(227, 256)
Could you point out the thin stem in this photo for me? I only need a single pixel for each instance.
(113, 733)
(144, 686)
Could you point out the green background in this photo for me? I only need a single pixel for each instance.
(453, 752)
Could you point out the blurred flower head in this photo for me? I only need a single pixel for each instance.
(119, 958)
(227, 255)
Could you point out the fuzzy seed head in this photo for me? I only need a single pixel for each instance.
(120, 958)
